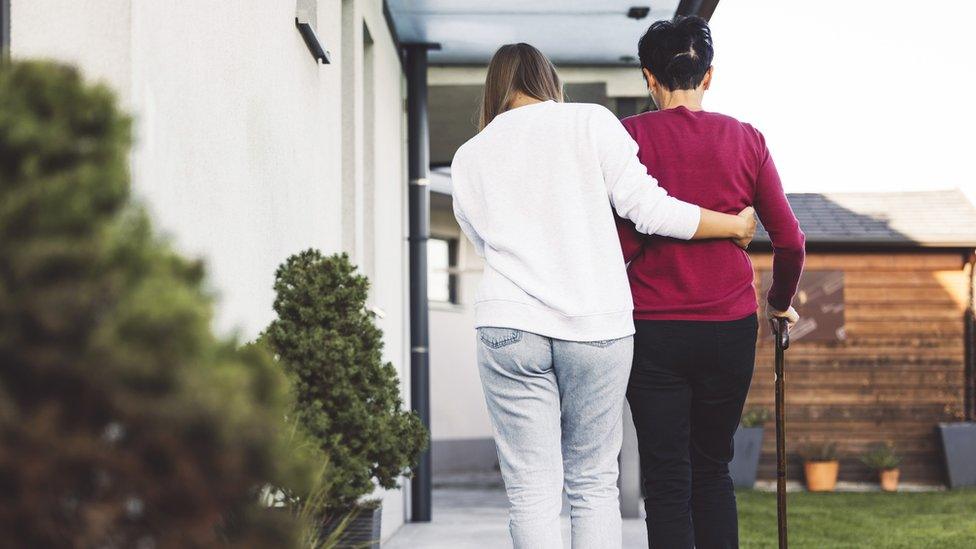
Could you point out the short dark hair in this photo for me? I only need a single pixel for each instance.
(678, 53)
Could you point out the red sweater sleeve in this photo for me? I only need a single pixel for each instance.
(784, 231)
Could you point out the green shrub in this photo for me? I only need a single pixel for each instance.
(882, 457)
(348, 398)
(755, 417)
(123, 421)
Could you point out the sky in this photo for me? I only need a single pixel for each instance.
(853, 95)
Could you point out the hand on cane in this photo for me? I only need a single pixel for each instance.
(791, 316)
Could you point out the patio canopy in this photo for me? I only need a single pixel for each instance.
(570, 32)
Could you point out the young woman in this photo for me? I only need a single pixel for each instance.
(533, 192)
(695, 304)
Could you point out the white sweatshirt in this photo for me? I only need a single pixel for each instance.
(531, 192)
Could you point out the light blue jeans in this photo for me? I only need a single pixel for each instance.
(556, 408)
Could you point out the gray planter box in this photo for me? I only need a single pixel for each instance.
(959, 449)
(362, 532)
(748, 446)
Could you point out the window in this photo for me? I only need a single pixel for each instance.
(442, 258)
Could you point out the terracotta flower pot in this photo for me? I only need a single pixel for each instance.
(889, 479)
(821, 475)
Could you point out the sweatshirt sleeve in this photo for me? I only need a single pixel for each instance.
(459, 215)
(635, 195)
(468, 230)
(780, 222)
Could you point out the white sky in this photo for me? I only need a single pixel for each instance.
(865, 95)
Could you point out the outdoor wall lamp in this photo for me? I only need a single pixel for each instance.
(312, 41)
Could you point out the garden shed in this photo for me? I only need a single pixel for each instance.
(884, 350)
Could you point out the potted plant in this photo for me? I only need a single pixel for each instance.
(820, 466)
(748, 447)
(347, 398)
(883, 459)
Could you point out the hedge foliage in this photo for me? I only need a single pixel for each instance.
(124, 422)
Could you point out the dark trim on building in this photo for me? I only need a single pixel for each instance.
(4, 30)
(418, 171)
(970, 343)
(701, 8)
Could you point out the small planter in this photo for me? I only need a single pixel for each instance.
(821, 475)
(362, 531)
(889, 479)
(745, 462)
(820, 466)
(884, 458)
(959, 447)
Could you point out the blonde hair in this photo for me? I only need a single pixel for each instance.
(517, 68)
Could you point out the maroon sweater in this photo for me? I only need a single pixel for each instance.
(721, 164)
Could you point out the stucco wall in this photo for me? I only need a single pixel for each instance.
(458, 409)
(94, 34)
(239, 149)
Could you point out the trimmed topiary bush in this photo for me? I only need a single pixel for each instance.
(348, 398)
(124, 422)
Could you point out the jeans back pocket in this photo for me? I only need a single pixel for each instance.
(496, 338)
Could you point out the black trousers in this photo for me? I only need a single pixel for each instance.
(687, 388)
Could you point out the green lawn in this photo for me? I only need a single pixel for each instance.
(943, 520)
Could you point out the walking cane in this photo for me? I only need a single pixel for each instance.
(782, 332)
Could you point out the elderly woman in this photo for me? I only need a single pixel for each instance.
(694, 302)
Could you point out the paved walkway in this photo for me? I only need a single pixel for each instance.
(472, 512)
(477, 518)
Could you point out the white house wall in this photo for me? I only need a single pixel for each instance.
(239, 151)
(460, 428)
(94, 34)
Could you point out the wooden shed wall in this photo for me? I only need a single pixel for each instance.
(898, 373)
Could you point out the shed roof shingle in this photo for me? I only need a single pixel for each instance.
(923, 218)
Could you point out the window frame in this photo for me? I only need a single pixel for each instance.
(453, 257)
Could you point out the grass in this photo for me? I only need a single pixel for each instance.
(943, 520)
